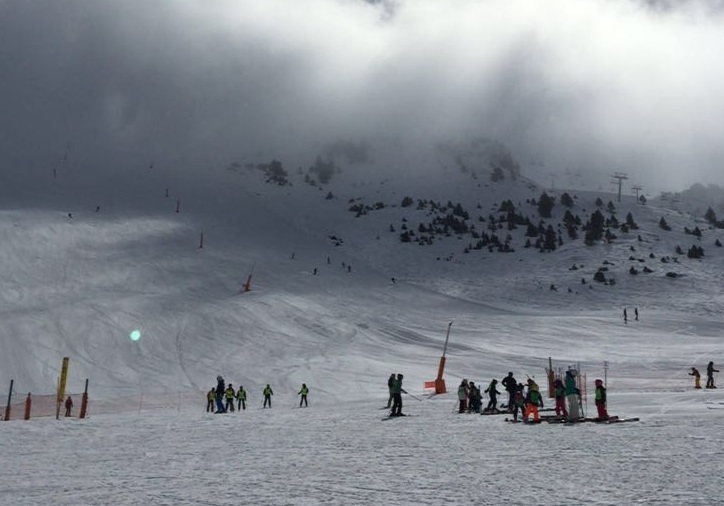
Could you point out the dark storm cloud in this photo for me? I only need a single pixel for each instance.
(608, 84)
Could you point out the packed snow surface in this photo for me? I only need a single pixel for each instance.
(79, 286)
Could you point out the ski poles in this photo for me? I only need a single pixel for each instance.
(414, 397)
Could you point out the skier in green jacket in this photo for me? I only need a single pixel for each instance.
(267, 395)
(241, 395)
(303, 392)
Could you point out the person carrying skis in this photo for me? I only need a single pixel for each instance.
(511, 386)
(697, 377)
(241, 395)
(68, 405)
(303, 392)
(463, 395)
(220, 389)
(532, 401)
(572, 396)
(559, 392)
(390, 384)
(210, 396)
(601, 400)
(267, 395)
(397, 391)
(492, 391)
(710, 375)
(229, 394)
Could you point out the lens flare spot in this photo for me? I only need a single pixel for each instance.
(135, 335)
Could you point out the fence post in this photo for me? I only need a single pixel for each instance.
(10, 397)
(28, 403)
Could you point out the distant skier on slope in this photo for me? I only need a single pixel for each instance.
(68, 405)
(241, 395)
(268, 392)
(390, 384)
(463, 395)
(220, 389)
(510, 385)
(572, 396)
(229, 394)
(697, 377)
(559, 390)
(303, 392)
(397, 400)
(492, 391)
(475, 398)
(210, 397)
(710, 375)
(601, 400)
(532, 401)
(518, 403)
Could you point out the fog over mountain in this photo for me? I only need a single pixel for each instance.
(598, 85)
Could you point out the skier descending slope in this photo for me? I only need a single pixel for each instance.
(397, 391)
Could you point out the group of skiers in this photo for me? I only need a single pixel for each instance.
(527, 398)
(709, 376)
(221, 393)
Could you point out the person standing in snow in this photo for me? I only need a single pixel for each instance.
(303, 392)
(241, 395)
(697, 377)
(397, 391)
(390, 384)
(475, 398)
(511, 386)
(267, 395)
(559, 392)
(68, 405)
(229, 394)
(492, 391)
(210, 396)
(572, 395)
(220, 389)
(636, 314)
(710, 375)
(518, 403)
(463, 395)
(625, 316)
(532, 401)
(601, 400)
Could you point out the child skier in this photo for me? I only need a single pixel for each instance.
(559, 391)
(463, 395)
(518, 403)
(267, 395)
(303, 392)
(492, 391)
(241, 395)
(229, 394)
(532, 401)
(601, 400)
(210, 396)
(697, 377)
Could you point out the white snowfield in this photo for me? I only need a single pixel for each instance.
(78, 286)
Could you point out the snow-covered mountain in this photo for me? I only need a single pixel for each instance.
(339, 301)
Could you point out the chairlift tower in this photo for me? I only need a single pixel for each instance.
(619, 177)
(637, 188)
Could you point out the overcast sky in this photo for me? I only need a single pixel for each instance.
(609, 84)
